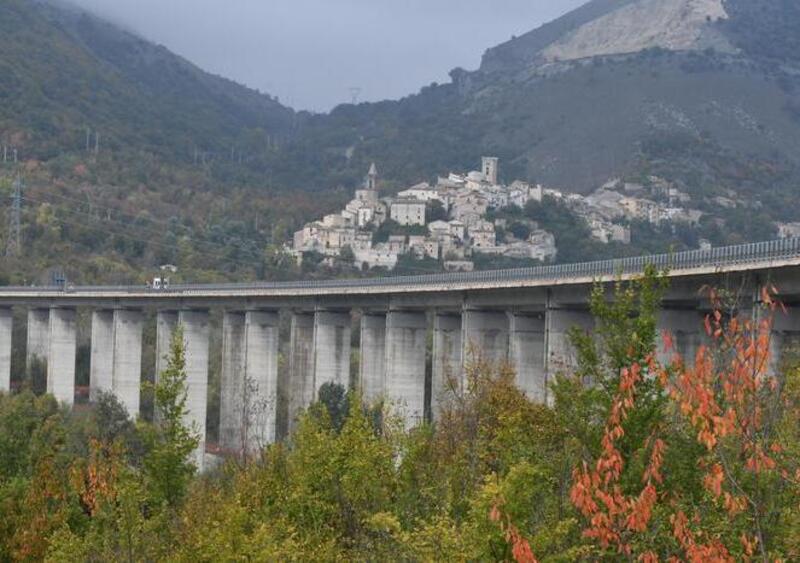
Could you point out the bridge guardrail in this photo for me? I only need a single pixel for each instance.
(760, 252)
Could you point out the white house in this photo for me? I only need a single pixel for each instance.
(423, 192)
(789, 230)
(458, 229)
(482, 235)
(439, 228)
(408, 211)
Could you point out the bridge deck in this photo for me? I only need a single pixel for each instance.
(742, 258)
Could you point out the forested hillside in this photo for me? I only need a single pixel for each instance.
(134, 158)
(63, 71)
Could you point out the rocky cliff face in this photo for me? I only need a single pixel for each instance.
(677, 25)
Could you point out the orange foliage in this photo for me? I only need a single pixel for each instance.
(723, 394)
(520, 547)
(96, 482)
(44, 504)
(613, 516)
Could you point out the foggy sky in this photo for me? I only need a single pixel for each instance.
(310, 53)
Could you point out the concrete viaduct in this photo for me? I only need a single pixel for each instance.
(522, 316)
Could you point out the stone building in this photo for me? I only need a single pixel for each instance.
(408, 211)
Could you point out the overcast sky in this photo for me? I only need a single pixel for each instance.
(310, 53)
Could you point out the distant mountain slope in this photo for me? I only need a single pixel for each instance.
(62, 71)
(182, 175)
(716, 74)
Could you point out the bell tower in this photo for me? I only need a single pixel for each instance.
(372, 178)
(489, 168)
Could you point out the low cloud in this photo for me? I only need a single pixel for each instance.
(313, 53)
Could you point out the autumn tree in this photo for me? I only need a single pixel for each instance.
(170, 441)
(744, 414)
(742, 417)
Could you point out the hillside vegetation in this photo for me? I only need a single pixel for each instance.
(690, 461)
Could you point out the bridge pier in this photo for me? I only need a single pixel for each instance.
(561, 355)
(127, 359)
(101, 362)
(262, 340)
(485, 336)
(62, 351)
(785, 339)
(249, 389)
(372, 366)
(332, 332)
(232, 381)
(301, 366)
(527, 338)
(38, 338)
(447, 369)
(406, 348)
(6, 331)
(196, 337)
(166, 322)
(685, 327)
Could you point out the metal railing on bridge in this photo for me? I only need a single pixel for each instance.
(721, 257)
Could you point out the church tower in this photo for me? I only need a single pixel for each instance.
(372, 178)
(489, 166)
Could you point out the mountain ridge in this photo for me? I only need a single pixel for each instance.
(240, 168)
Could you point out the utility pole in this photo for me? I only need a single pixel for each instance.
(14, 242)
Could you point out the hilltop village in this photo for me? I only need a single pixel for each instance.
(461, 217)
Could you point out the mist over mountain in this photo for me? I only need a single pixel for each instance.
(63, 71)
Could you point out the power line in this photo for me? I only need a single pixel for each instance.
(166, 223)
(223, 259)
(220, 246)
(14, 242)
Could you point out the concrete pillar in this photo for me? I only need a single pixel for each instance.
(561, 357)
(527, 354)
(785, 338)
(6, 329)
(485, 335)
(331, 349)
(38, 342)
(686, 328)
(232, 381)
(406, 343)
(195, 334)
(101, 369)
(447, 370)
(262, 339)
(127, 359)
(166, 321)
(301, 366)
(62, 352)
(372, 377)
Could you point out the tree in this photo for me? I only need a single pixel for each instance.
(169, 441)
(744, 415)
(334, 399)
(435, 211)
(742, 418)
